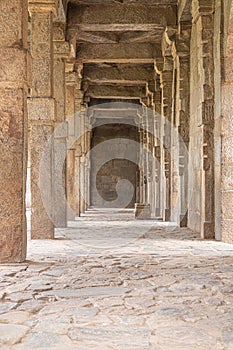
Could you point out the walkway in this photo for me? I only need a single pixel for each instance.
(110, 282)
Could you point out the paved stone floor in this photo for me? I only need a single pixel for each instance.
(110, 282)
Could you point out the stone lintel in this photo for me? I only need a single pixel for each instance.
(117, 91)
(118, 14)
(108, 73)
(118, 53)
(43, 6)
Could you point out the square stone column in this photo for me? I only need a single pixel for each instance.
(226, 197)
(184, 122)
(167, 81)
(41, 108)
(13, 129)
(70, 161)
(83, 183)
(157, 151)
(201, 214)
(61, 52)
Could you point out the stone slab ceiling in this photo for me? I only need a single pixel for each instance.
(118, 42)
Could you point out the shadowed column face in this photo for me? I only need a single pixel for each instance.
(13, 129)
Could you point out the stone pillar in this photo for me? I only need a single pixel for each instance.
(61, 51)
(226, 199)
(167, 81)
(144, 154)
(70, 163)
(83, 162)
(184, 122)
(78, 154)
(79, 147)
(87, 165)
(41, 107)
(150, 158)
(141, 171)
(157, 151)
(13, 129)
(201, 179)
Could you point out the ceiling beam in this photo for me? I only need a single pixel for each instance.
(108, 73)
(115, 92)
(115, 113)
(118, 14)
(118, 53)
(93, 38)
(123, 2)
(117, 27)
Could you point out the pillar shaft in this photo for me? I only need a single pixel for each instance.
(13, 129)
(41, 107)
(70, 166)
(61, 50)
(201, 155)
(184, 122)
(157, 152)
(167, 80)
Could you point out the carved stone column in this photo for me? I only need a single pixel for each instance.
(87, 165)
(141, 172)
(14, 81)
(61, 51)
(150, 157)
(157, 150)
(225, 198)
(41, 108)
(79, 147)
(167, 80)
(71, 84)
(144, 155)
(201, 217)
(184, 123)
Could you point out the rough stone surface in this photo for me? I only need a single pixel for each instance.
(98, 285)
(13, 131)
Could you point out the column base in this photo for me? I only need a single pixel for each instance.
(184, 220)
(167, 215)
(208, 230)
(142, 211)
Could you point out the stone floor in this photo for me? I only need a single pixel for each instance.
(110, 282)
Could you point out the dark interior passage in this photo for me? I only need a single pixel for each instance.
(112, 163)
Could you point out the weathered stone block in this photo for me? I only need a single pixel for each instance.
(41, 109)
(13, 141)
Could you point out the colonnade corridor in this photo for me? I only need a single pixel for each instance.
(116, 174)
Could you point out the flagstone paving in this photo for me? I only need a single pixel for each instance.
(112, 282)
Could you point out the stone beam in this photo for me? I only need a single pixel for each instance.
(97, 28)
(114, 92)
(118, 53)
(118, 14)
(114, 113)
(112, 73)
(146, 2)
